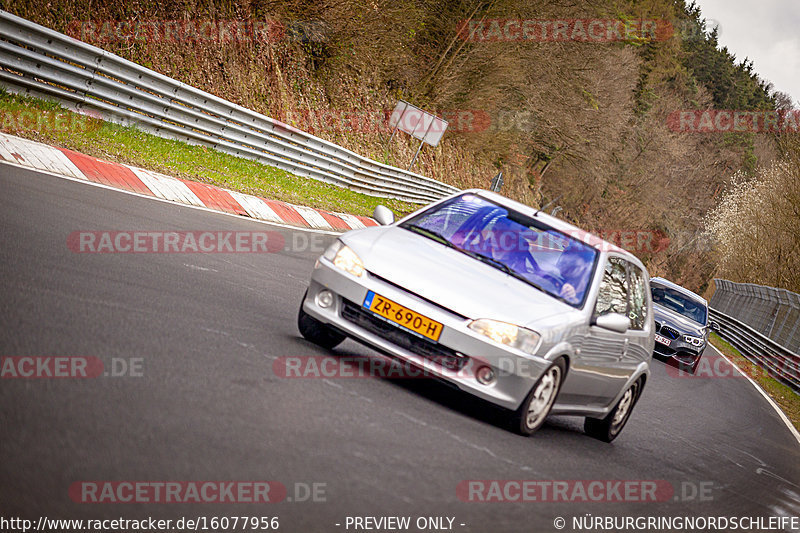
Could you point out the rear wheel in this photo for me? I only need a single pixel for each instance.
(608, 428)
(315, 331)
(534, 410)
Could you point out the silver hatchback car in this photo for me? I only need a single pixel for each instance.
(507, 303)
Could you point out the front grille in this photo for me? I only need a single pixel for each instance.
(670, 332)
(434, 352)
(663, 350)
(667, 331)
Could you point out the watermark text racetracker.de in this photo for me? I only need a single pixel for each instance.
(714, 366)
(380, 366)
(48, 121)
(734, 121)
(583, 491)
(211, 492)
(323, 367)
(69, 367)
(564, 30)
(175, 31)
(378, 120)
(183, 242)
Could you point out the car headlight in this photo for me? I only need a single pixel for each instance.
(344, 258)
(694, 341)
(517, 337)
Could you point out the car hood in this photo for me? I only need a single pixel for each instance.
(452, 279)
(675, 320)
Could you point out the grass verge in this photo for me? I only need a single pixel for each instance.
(48, 122)
(786, 398)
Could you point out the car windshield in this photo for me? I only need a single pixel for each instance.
(520, 246)
(680, 303)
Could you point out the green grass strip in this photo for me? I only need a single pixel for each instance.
(50, 123)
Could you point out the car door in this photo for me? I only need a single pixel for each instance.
(596, 373)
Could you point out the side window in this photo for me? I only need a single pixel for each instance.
(613, 292)
(638, 298)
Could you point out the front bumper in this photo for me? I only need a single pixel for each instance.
(679, 353)
(455, 358)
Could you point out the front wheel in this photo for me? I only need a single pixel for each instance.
(315, 331)
(534, 410)
(608, 428)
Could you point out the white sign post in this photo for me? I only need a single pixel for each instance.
(419, 124)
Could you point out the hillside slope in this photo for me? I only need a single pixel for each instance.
(572, 123)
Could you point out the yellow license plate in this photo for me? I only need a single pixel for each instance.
(403, 316)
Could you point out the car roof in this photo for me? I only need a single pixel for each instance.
(684, 290)
(558, 224)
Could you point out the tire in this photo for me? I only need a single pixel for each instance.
(537, 405)
(315, 331)
(608, 428)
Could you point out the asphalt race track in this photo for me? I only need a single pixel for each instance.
(202, 332)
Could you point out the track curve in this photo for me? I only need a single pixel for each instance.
(207, 330)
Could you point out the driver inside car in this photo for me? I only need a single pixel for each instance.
(511, 248)
(575, 265)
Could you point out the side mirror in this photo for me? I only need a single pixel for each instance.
(383, 215)
(614, 322)
(713, 326)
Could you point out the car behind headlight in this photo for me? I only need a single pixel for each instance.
(344, 258)
(522, 339)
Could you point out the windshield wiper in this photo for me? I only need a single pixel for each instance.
(519, 276)
(507, 269)
(438, 237)
(490, 261)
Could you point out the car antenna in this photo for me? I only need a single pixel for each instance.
(546, 206)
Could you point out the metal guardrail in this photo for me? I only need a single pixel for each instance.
(774, 313)
(40, 62)
(781, 362)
